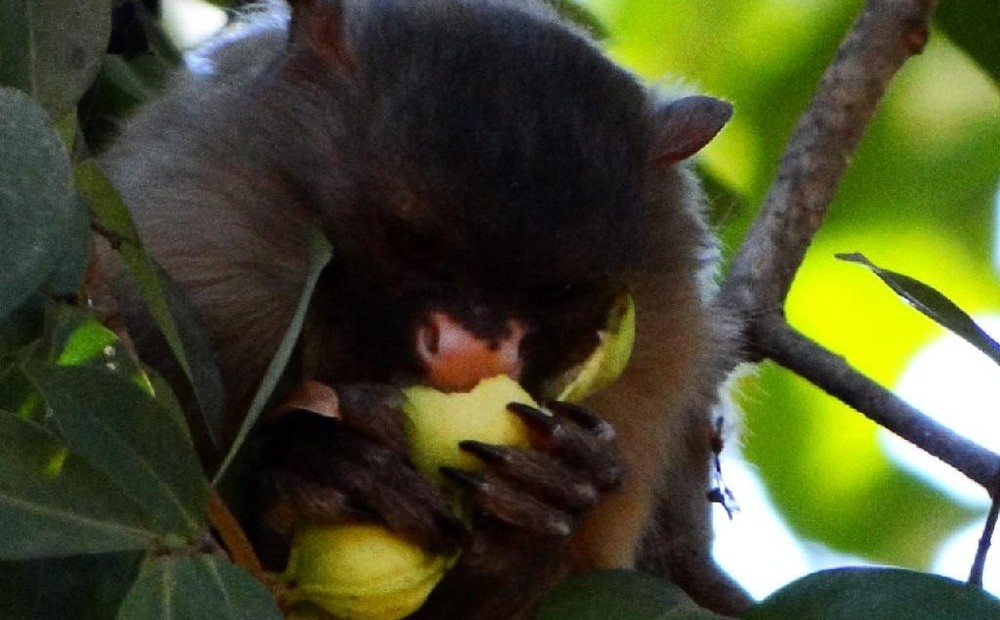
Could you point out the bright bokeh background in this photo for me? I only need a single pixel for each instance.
(818, 484)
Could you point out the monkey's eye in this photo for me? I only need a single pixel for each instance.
(410, 244)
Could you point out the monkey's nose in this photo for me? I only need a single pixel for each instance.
(455, 359)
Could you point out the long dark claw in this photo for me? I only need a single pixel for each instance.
(464, 478)
(583, 417)
(579, 414)
(533, 417)
(488, 453)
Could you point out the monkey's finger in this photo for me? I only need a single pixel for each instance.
(374, 411)
(583, 417)
(498, 500)
(537, 474)
(293, 501)
(355, 475)
(411, 505)
(380, 482)
(591, 452)
(290, 501)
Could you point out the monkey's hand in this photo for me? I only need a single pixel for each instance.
(528, 503)
(326, 469)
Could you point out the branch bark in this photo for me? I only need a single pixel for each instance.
(885, 34)
(783, 344)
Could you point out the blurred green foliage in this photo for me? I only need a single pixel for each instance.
(919, 198)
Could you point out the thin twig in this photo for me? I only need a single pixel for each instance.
(232, 535)
(979, 563)
(782, 343)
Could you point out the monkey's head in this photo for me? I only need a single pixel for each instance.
(487, 178)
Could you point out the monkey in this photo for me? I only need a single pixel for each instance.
(490, 182)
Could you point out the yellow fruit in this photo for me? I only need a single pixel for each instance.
(361, 572)
(366, 572)
(438, 421)
(608, 360)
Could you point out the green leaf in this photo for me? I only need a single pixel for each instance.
(852, 593)
(67, 276)
(54, 503)
(36, 198)
(197, 588)
(83, 587)
(22, 326)
(52, 49)
(119, 89)
(168, 305)
(18, 393)
(934, 305)
(75, 337)
(124, 432)
(580, 15)
(973, 25)
(605, 594)
(319, 255)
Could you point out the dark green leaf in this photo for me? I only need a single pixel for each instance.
(52, 49)
(197, 588)
(168, 305)
(53, 503)
(973, 25)
(852, 593)
(605, 594)
(136, 81)
(74, 337)
(123, 431)
(120, 87)
(22, 326)
(66, 126)
(18, 393)
(930, 302)
(36, 198)
(67, 277)
(319, 255)
(84, 587)
(165, 396)
(20, 335)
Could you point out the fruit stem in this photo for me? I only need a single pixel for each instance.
(234, 539)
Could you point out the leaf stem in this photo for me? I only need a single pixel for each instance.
(233, 537)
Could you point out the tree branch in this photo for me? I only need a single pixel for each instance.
(786, 346)
(885, 34)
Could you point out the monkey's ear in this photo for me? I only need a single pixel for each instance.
(317, 29)
(687, 125)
